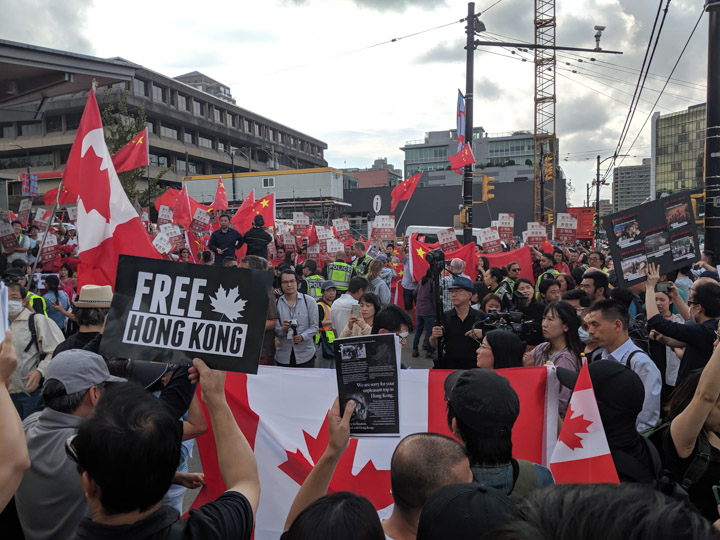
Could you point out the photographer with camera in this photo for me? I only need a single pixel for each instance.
(457, 331)
(296, 326)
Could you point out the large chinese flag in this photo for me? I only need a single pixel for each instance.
(265, 207)
(290, 439)
(582, 454)
(403, 191)
(133, 155)
(419, 266)
(108, 225)
(462, 158)
(220, 202)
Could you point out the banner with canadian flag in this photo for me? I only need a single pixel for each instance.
(283, 414)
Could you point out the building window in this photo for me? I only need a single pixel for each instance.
(140, 87)
(231, 119)
(181, 102)
(72, 121)
(246, 125)
(218, 115)
(198, 108)
(194, 168)
(268, 182)
(204, 142)
(167, 131)
(180, 165)
(34, 128)
(158, 161)
(189, 137)
(158, 93)
(151, 126)
(221, 147)
(7, 131)
(53, 124)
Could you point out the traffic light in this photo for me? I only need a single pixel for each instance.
(550, 219)
(548, 169)
(595, 219)
(463, 216)
(487, 188)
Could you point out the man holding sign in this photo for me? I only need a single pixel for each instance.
(23, 241)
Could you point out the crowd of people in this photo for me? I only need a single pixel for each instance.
(98, 447)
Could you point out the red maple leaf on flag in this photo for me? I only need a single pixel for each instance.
(370, 482)
(572, 428)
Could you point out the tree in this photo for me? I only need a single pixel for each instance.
(120, 127)
(528, 162)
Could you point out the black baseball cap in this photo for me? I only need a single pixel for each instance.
(614, 385)
(464, 511)
(482, 398)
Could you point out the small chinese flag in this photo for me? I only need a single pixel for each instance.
(220, 203)
(403, 191)
(133, 155)
(462, 158)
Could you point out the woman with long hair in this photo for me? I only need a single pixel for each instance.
(560, 327)
(524, 301)
(66, 281)
(661, 351)
(424, 313)
(695, 421)
(500, 349)
(361, 326)
(376, 284)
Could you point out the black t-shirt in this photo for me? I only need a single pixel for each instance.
(460, 351)
(700, 493)
(228, 516)
(76, 341)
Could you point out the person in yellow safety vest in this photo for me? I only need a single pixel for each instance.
(362, 260)
(34, 301)
(548, 272)
(312, 282)
(325, 357)
(339, 272)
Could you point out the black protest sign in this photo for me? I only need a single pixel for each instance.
(661, 231)
(172, 312)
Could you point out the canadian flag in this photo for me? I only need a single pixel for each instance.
(282, 412)
(582, 454)
(108, 225)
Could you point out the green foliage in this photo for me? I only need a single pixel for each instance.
(120, 127)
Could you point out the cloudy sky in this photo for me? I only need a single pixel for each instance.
(331, 69)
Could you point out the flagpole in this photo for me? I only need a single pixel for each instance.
(42, 242)
(402, 213)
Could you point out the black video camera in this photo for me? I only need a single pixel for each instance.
(512, 321)
(436, 259)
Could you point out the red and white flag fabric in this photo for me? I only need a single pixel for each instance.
(220, 202)
(133, 155)
(582, 454)
(285, 423)
(403, 191)
(419, 266)
(462, 158)
(108, 225)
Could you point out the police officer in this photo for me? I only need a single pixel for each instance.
(339, 272)
(35, 301)
(325, 337)
(312, 281)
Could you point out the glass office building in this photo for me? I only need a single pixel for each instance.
(677, 150)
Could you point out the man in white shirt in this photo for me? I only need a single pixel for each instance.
(341, 307)
(607, 323)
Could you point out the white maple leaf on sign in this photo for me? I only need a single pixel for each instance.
(228, 303)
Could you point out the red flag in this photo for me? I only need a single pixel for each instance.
(522, 256)
(312, 236)
(183, 211)
(462, 158)
(133, 155)
(582, 454)
(243, 217)
(169, 198)
(65, 196)
(220, 203)
(108, 225)
(419, 265)
(403, 191)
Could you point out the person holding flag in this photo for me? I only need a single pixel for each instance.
(257, 238)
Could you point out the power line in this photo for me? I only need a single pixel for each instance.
(692, 33)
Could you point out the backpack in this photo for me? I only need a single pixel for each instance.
(525, 480)
(700, 462)
(33, 333)
(637, 331)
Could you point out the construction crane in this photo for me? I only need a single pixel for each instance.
(545, 100)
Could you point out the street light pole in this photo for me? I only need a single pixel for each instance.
(597, 205)
(712, 140)
(469, 79)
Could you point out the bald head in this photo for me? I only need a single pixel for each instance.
(423, 463)
(457, 265)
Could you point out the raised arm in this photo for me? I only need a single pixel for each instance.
(317, 482)
(686, 427)
(235, 457)
(14, 459)
(653, 276)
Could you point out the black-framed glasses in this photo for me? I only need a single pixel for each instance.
(515, 269)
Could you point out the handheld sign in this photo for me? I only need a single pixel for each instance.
(8, 238)
(565, 228)
(448, 240)
(200, 221)
(506, 226)
(24, 211)
(172, 312)
(165, 215)
(49, 249)
(383, 228)
(342, 229)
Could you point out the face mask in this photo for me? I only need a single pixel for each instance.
(583, 334)
(14, 308)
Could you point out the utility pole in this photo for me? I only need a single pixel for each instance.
(587, 194)
(597, 205)
(712, 140)
(469, 80)
(542, 184)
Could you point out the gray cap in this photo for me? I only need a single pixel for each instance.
(78, 370)
(328, 285)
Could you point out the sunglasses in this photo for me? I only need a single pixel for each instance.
(516, 269)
